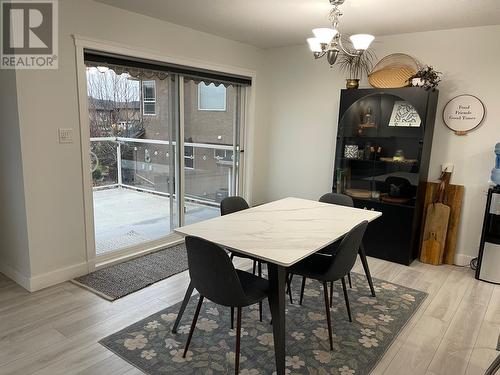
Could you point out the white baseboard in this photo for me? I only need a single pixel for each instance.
(45, 280)
(58, 276)
(463, 259)
(15, 275)
(64, 274)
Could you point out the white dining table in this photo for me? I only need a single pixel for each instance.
(280, 233)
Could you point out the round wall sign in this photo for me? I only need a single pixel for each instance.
(463, 113)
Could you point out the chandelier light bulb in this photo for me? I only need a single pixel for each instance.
(314, 44)
(361, 42)
(324, 34)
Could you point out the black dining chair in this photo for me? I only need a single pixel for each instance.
(230, 205)
(334, 198)
(233, 204)
(342, 200)
(330, 268)
(214, 276)
(345, 200)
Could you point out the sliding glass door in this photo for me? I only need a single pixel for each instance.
(165, 150)
(212, 123)
(133, 152)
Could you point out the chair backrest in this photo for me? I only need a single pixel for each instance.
(233, 204)
(345, 257)
(212, 273)
(340, 199)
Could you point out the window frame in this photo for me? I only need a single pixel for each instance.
(149, 101)
(211, 109)
(225, 158)
(190, 157)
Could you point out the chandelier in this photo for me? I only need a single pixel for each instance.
(328, 41)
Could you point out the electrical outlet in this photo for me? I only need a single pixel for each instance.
(447, 167)
(65, 135)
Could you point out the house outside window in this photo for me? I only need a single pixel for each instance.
(211, 97)
(149, 98)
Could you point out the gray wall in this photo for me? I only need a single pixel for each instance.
(14, 255)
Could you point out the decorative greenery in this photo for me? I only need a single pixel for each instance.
(355, 66)
(97, 174)
(430, 77)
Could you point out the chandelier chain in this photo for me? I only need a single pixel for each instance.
(334, 15)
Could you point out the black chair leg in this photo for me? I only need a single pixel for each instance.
(259, 271)
(331, 293)
(328, 318)
(302, 289)
(232, 317)
(238, 342)
(185, 302)
(254, 265)
(349, 278)
(346, 297)
(289, 287)
(193, 324)
(364, 262)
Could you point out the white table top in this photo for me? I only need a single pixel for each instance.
(281, 232)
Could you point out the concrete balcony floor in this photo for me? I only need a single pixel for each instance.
(125, 217)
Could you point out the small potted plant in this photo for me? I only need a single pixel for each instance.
(427, 77)
(355, 66)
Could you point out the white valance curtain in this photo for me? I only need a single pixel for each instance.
(147, 70)
(138, 73)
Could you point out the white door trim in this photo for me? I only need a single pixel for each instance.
(83, 111)
(81, 43)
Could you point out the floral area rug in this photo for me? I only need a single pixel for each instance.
(358, 346)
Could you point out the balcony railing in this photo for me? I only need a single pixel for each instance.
(148, 170)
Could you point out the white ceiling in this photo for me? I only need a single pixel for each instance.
(277, 23)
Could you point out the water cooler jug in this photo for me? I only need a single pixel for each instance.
(488, 266)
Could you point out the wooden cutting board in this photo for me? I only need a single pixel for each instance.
(453, 198)
(436, 226)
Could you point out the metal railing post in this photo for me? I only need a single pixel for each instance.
(119, 162)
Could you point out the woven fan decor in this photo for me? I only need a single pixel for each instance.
(393, 71)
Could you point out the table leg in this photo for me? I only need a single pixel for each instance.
(277, 281)
(187, 296)
(364, 261)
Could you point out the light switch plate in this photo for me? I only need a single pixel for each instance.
(447, 167)
(65, 135)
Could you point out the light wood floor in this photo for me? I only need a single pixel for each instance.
(55, 331)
